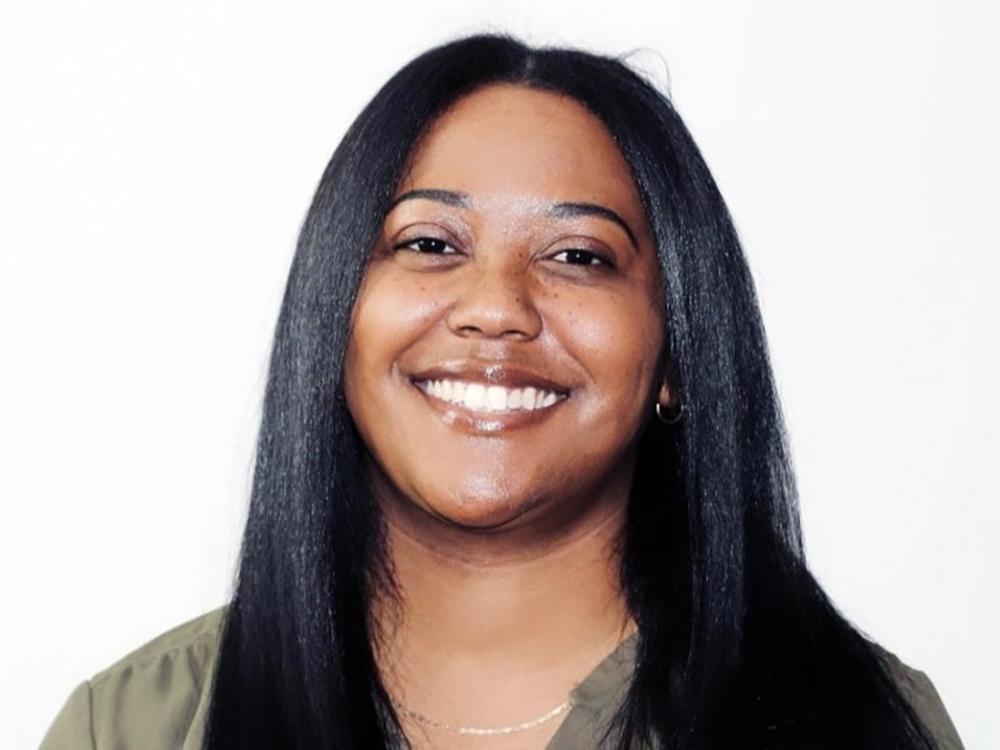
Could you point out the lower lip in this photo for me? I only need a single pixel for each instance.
(463, 418)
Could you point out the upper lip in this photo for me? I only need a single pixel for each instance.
(506, 374)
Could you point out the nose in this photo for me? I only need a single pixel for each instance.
(495, 302)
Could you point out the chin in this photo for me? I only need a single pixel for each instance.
(480, 511)
(480, 514)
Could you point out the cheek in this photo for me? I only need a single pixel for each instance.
(390, 313)
(394, 302)
(617, 339)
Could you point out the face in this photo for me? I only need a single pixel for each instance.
(503, 357)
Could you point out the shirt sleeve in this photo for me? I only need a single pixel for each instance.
(928, 704)
(72, 728)
(918, 689)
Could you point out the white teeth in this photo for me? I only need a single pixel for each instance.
(514, 398)
(475, 396)
(496, 398)
(479, 397)
(528, 401)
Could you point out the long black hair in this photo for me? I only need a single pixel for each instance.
(738, 645)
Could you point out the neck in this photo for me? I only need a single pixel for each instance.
(520, 616)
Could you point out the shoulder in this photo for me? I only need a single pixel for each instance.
(198, 634)
(918, 689)
(154, 697)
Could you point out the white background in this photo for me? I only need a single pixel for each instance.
(156, 161)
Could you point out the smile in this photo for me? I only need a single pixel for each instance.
(489, 398)
(480, 408)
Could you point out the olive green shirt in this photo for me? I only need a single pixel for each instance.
(156, 698)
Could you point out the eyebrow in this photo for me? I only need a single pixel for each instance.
(558, 210)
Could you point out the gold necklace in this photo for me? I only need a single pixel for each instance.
(485, 731)
(492, 731)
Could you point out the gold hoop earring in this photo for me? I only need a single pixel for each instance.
(672, 418)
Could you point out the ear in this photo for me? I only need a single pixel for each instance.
(666, 396)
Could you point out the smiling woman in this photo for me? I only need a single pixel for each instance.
(521, 478)
(499, 320)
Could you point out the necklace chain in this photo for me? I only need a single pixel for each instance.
(485, 731)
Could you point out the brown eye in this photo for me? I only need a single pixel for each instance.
(578, 257)
(426, 246)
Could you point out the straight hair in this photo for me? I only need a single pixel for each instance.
(738, 645)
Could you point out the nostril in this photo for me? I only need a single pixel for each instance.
(509, 333)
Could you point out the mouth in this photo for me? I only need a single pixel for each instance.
(489, 398)
(487, 407)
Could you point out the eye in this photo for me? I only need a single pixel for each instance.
(580, 257)
(426, 246)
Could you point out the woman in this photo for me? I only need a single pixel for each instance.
(521, 478)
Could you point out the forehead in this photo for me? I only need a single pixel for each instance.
(508, 144)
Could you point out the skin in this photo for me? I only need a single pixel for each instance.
(493, 532)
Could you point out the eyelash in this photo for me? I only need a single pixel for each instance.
(602, 260)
